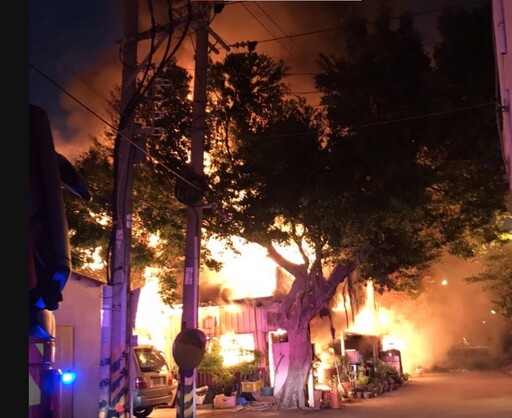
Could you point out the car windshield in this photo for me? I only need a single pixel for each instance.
(150, 360)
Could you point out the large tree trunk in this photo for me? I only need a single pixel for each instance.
(310, 292)
(292, 393)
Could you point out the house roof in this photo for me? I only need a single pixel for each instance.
(78, 276)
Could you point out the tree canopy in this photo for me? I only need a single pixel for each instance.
(394, 171)
(497, 278)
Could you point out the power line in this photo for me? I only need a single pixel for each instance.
(426, 115)
(114, 128)
(318, 31)
(279, 26)
(264, 27)
(423, 116)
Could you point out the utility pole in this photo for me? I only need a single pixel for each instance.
(118, 312)
(186, 402)
(115, 393)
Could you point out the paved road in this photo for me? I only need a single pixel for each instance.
(443, 395)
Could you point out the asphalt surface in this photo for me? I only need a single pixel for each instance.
(444, 395)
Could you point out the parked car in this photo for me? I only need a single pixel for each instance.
(154, 384)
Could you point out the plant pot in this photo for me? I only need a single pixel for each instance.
(251, 386)
(222, 401)
(346, 385)
(335, 398)
(317, 398)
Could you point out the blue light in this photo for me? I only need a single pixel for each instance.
(68, 377)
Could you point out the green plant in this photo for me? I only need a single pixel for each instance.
(362, 381)
(343, 368)
(384, 370)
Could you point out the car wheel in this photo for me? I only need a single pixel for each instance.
(143, 412)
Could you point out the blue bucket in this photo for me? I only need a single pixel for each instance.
(267, 391)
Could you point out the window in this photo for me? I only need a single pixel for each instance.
(150, 360)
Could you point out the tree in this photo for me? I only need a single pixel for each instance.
(163, 121)
(367, 198)
(245, 90)
(358, 194)
(472, 75)
(497, 278)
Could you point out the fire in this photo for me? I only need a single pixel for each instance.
(251, 274)
(394, 329)
(152, 314)
(234, 346)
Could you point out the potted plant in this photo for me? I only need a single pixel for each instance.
(343, 374)
(385, 374)
(368, 390)
(360, 384)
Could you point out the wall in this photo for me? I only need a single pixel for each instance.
(78, 346)
(502, 23)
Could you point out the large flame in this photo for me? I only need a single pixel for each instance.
(418, 328)
(250, 274)
(247, 272)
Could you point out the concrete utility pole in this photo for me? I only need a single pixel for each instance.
(118, 312)
(115, 394)
(186, 402)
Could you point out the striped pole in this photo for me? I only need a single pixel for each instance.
(186, 392)
(186, 407)
(119, 404)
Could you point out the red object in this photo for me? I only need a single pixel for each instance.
(140, 383)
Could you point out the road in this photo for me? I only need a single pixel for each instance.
(440, 395)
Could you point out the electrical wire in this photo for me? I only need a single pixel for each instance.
(335, 28)
(278, 26)
(114, 128)
(111, 126)
(152, 42)
(264, 27)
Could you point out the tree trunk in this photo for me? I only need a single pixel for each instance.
(308, 294)
(292, 393)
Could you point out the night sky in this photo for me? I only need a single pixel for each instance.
(74, 52)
